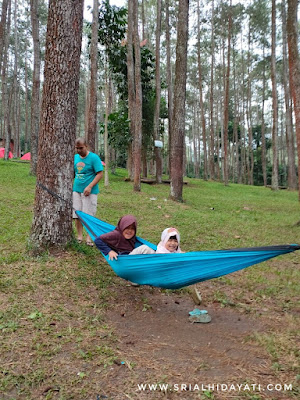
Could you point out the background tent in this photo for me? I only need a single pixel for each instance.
(26, 156)
(2, 152)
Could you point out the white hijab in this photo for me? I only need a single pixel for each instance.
(165, 236)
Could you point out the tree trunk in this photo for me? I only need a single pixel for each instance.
(92, 114)
(169, 79)
(107, 112)
(292, 178)
(156, 124)
(178, 124)
(137, 139)
(26, 144)
(205, 173)
(5, 4)
(196, 162)
(52, 224)
(15, 102)
(263, 137)
(226, 100)
(35, 101)
(6, 95)
(236, 153)
(211, 147)
(275, 101)
(294, 64)
(130, 82)
(250, 159)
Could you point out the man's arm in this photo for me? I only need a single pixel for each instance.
(94, 182)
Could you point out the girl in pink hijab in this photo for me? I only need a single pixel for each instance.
(170, 239)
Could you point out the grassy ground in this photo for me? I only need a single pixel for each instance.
(55, 340)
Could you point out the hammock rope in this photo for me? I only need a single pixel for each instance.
(174, 271)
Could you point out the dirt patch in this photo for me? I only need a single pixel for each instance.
(157, 340)
(72, 330)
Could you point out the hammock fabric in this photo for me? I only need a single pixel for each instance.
(174, 271)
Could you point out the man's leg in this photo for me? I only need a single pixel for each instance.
(79, 229)
(77, 205)
(90, 207)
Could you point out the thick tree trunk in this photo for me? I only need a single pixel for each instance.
(290, 140)
(92, 114)
(178, 124)
(294, 64)
(275, 101)
(35, 102)
(52, 224)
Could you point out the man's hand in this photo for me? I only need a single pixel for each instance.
(87, 191)
(112, 255)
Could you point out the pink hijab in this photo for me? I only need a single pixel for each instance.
(165, 236)
(115, 238)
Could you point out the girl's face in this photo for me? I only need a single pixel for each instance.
(129, 232)
(172, 245)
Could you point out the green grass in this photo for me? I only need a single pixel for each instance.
(52, 307)
(212, 216)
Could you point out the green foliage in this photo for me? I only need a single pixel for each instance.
(112, 25)
(118, 67)
(119, 136)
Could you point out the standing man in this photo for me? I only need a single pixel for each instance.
(88, 171)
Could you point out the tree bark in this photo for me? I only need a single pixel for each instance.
(35, 102)
(211, 145)
(263, 126)
(6, 94)
(137, 140)
(275, 101)
(131, 84)
(92, 114)
(26, 107)
(15, 89)
(203, 124)
(250, 158)
(5, 4)
(178, 124)
(108, 102)
(290, 140)
(52, 224)
(156, 125)
(226, 99)
(169, 79)
(294, 64)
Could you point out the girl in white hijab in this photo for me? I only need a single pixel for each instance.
(170, 239)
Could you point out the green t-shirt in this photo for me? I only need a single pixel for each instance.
(85, 171)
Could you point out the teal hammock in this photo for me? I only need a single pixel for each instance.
(174, 271)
